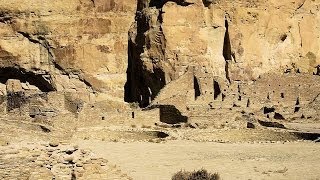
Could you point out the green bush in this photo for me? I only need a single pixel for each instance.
(195, 175)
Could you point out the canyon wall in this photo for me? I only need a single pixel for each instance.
(65, 56)
(221, 60)
(75, 46)
(233, 40)
(151, 71)
(58, 57)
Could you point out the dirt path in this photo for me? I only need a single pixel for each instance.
(142, 160)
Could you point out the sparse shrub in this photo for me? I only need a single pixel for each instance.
(195, 175)
(114, 140)
(134, 105)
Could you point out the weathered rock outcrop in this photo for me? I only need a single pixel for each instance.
(57, 57)
(240, 40)
(225, 54)
(75, 46)
(99, 69)
(63, 57)
(163, 44)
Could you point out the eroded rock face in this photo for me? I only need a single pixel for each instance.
(79, 46)
(186, 53)
(214, 59)
(163, 44)
(62, 55)
(70, 64)
(232, 40)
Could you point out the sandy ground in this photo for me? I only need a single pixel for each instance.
(143, 160)
(138, 153)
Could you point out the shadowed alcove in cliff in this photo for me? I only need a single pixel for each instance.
(227, 53)
(24, 76)
(142, 85)
(207, 3)
(196, 87)
(160, 3)
(217, 90)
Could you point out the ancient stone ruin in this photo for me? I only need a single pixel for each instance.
(217, 64)
(211, 58)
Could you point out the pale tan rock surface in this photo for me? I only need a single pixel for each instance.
(143, 72)
(232, 41)
(69, 41)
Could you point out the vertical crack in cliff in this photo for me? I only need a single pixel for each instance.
(146, 45)
(300, 34)
(147, 64)
(217, 90)
(28, 36)
(317, 70)
(227, 54)
(196, 87)
(128, 87)
(135, 79)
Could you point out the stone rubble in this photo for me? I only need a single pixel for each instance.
(53, 161)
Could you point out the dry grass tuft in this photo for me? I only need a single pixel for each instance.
(195, 175)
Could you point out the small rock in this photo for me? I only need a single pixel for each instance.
(79, 164)
(50, 149)
(68, 158)
(103, 164)
(54, 143)
(250, 125)
(70, 150)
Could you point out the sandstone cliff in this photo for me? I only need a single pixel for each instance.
(88, 56)
(101, 71)
(233, 40)
(73, 46)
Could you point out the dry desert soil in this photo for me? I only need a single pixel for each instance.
(144, 160)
